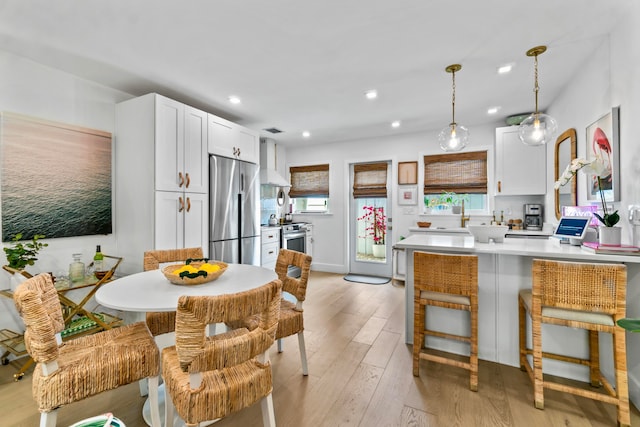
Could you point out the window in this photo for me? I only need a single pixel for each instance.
(461, 173)
(309, 190)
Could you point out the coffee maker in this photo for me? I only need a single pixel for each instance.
(533, 217)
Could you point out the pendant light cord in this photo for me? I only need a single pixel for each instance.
(453, 98)
(536, 88)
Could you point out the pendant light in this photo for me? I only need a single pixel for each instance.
(453, 137)
(538, 128)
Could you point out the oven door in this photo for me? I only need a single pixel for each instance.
(295, 241)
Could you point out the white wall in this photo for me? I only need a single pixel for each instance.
(35, 90)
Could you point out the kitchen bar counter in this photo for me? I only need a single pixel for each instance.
(504, 269)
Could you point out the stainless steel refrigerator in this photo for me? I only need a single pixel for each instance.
(234, 194)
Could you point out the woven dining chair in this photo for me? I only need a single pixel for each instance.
(577, 295)
(164, 322)
(210, 377)
(83, 367)
(447, 281)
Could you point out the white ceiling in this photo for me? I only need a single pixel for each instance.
(305, 65)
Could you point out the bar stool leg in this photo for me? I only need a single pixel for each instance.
(418, 335)
(622, 385)
(522, 327)
(473, 356)
(538, 381)
(594, 358)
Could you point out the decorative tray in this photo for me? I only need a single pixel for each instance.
(194, 272)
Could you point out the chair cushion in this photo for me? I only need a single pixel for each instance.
(450, 298)
(566, 314)
(222, 392)
(94, 363)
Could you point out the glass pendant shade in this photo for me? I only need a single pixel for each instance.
(453, 137)
(537, 129)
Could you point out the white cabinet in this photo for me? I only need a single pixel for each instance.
(270, 247)
(229, 139)
(520, 169)
(161, 178)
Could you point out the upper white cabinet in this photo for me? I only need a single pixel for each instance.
(520, 169)
(229, 139)
(181, 147)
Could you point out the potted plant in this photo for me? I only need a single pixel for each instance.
(607, 233)
(376, 228)
(22, 254)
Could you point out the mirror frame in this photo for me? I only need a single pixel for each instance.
(571, 136)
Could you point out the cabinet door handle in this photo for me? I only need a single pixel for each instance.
(188, 180)
(499, 186)
(180, 179)
(180, 204)
(238, 152)
(271, 252)
(188, 204)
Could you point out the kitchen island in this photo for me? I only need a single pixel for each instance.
(504, 269)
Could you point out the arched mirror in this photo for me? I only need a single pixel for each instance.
(566, 150)
(280, 197)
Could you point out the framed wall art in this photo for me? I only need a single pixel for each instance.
(56, 178)
(407, 173)
(407, 195)
(603, 140)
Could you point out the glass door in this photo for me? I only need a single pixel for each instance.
(369, 219)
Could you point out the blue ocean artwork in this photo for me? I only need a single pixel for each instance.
(56, 179)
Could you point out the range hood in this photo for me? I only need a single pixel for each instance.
(268, 161)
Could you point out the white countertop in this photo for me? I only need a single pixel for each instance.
(543, 248)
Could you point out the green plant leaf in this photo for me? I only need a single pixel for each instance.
(632, 325)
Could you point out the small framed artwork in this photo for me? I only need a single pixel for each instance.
(407, 195)
(407, 173)
(603, 141)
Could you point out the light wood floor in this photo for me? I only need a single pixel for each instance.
(360, 375)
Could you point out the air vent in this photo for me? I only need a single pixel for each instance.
(273, 130)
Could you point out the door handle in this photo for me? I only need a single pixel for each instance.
(188, 204)
(180, 179)
(499, 186)
(188, 179)
(180, 204)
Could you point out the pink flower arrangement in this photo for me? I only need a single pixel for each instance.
(376, 223)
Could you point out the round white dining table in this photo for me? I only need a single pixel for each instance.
(151, 291)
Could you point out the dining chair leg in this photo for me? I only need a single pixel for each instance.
(268, 415)
(169, 409)
(143, 385)
(280, 345)
(48, 419)
(153, 401)
(303, 353)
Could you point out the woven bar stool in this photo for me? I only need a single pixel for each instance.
(448, 281)
(164, 322)
(577, 295)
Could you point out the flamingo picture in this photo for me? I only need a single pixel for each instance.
(601, 145)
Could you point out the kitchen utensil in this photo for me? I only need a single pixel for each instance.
(273, 220)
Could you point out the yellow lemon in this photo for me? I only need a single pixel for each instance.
(187, 268)
(210, 268)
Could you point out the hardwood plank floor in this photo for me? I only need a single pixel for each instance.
(360, 374)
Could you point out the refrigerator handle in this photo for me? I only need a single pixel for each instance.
(241, 182)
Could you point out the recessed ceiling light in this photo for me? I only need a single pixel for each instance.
(371, 94)
(504, 69)
(234, 99)
(493, 110)
(395, 124)
(306, 134)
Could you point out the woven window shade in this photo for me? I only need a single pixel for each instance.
(370, 180)
(309, 181)
(459, 173)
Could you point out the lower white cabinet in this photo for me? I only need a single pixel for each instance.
(182, 220)
(270, 247)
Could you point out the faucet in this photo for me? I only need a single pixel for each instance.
(464, 219)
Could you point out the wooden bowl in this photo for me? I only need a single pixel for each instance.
(177, 280)
(423, 224)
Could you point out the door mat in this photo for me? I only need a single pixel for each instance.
(371, 280)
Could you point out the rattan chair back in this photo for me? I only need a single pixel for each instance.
(295, 286)
(164, 322)
(37, 302)
(457, 275)
(599, 288)
(198, 353)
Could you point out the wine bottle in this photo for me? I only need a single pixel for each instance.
(98, 260)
